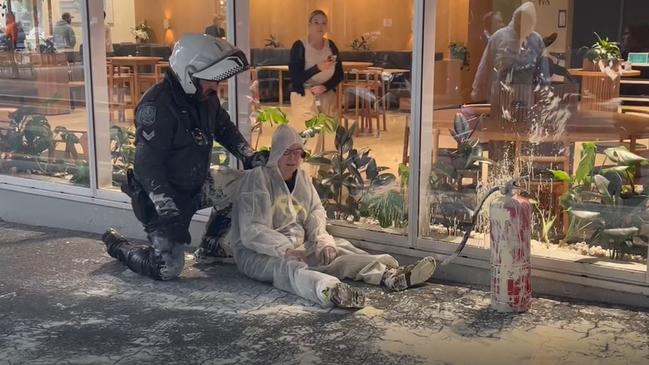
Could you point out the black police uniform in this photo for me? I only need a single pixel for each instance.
(171, 179)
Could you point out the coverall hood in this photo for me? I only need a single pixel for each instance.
(524, 19)
(283, 138)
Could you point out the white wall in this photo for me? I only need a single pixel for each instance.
(122, 19)
(547, 22)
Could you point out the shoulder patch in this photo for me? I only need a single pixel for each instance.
(146, 115)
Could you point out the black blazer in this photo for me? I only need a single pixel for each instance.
(299, 74)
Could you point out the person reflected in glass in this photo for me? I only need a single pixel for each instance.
(491, 22)
(514, 56)
(64, 37)
(14, 33)
(635, 39)
(315, 71)
(108, 38)
(215, 30)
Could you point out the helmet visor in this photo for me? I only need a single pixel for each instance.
(223, 69)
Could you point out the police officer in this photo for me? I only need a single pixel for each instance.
(177, 120)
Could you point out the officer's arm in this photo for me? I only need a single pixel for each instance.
(154, 138)
(227, 134)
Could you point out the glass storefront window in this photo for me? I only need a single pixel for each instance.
(43, 118)
(140, 36)
(360, 170)
(517, 96)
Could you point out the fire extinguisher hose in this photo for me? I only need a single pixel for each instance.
(505, 189)
(469, 229)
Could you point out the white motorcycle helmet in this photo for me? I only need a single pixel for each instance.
(201, 56)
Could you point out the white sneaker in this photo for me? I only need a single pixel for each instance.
(345, 296)
(404, 277)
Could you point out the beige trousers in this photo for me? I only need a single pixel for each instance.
(355, 264)
(304, 107)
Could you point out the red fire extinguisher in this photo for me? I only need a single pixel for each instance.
(510, 218)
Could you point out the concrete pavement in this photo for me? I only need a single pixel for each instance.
(63, 300)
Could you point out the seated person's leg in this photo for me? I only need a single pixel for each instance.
(356, 264)
(294, 277)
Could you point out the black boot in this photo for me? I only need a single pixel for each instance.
(138, 258)
(113, 241)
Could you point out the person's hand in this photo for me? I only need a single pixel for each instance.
(295, 255)
(259, 158)
(327, 255)
(317, 90)
(326, 65)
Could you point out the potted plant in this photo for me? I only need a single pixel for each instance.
(363, 43)
(604, 205)
(345, 175)
(603, 53)
(142, 32)
(272, 42)
(452, 201)
(460, 52)
(389, 208)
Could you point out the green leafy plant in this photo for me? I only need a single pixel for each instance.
(314, 126)
(452, 201)
(81, 174)
(459, 51)
(604, 203)
(547, 220)
(70, 139)
(122, 150)
(272, 42)
(388, 208)
(602, 49)
(340, 182)
(28, 137)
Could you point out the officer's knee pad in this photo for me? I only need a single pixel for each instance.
(172, 263)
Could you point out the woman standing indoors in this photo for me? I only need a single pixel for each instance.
(315, 72)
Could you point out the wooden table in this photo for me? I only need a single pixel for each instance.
(355, 65)
(347, 66)
(583, 125)
(598, 88)
(135, 62)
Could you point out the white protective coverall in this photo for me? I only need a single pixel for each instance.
(268, 219)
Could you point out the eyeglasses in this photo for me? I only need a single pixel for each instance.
(296, 151)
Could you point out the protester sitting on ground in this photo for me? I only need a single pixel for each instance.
(279, 235)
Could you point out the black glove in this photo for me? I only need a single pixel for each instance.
(258, 158)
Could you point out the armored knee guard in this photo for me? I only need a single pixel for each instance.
(145, 260)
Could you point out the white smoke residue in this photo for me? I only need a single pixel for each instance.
(549, 116)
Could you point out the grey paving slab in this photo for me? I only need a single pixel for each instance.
(63, 300)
